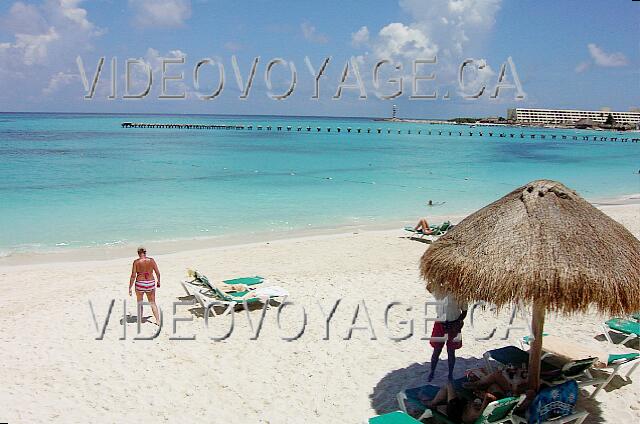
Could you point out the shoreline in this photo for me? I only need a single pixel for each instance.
(167, 247)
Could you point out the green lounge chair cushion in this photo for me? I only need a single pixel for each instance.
(393, 418)
(502, 409)
(247, 281)
(413, 230)
(236, 296)
(445, 226)
(232, 297)
(624, 326)
(622, 357)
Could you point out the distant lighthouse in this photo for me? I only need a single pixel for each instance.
(394, 112)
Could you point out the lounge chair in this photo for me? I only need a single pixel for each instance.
(443, 229)
(436, 230)
(609, 364)
(409, 400)
(499, 411)
(197, 282)
(213, 295)
(629, 329)
(554, 405)
(636, 316)
(551, 374)
(615, 363)
(418, 233)
(208, 294)
(396, 417)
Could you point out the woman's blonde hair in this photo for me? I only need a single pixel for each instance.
(142, 249)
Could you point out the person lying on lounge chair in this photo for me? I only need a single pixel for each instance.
(458, 408)
(491, 387)
(423, 226)
(512, 381)
(228, 288)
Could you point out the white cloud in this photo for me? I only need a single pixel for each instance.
(59, 80)
(477, 77)
(153, 58)
(444, 28)
(24, 18)
(478, 13)
(46, 38)
(161, 13)
(582, 67)
(34, 47)
(602, 58)
(398, 40)
(360, 37)
(69, 9)
(310, 33)
(46, 34)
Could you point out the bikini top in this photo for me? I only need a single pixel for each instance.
(145, 273)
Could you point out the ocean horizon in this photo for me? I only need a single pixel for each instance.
(73, 180)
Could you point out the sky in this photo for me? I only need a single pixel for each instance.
(564, 54)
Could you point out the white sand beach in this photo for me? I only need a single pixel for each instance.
(54, 369)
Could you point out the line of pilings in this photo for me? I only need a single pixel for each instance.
(378, 131)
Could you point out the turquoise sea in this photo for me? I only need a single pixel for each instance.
(81, 180)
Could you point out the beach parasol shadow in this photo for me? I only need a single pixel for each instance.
(383, 397)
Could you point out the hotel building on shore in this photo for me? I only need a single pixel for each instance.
(568, 116)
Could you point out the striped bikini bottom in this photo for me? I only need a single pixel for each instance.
(146, 286)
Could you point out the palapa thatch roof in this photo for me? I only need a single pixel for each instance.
(542, 242)
(585, 123)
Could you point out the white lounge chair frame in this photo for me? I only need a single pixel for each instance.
(611, 370)
(402, 398)
(198, 291)
(606, 329)
(615, 370)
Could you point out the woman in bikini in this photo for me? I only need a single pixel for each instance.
(423, 226)
(142, 275)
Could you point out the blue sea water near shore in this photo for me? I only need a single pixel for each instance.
(69, 181)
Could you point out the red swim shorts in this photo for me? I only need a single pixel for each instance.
(453, 332)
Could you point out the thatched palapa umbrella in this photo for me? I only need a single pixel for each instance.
(543, 245)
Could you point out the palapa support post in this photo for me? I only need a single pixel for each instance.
(535, 350)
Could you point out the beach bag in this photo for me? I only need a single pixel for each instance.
(554, 402)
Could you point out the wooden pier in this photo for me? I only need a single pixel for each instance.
(408, 131)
